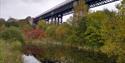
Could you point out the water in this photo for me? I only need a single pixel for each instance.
(29, 59)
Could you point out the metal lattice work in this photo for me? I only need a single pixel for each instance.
(95, 3)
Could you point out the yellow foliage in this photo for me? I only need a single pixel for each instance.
(41, 24)
(10, 52)
(60, 32)
(111, 48)
(80, 9)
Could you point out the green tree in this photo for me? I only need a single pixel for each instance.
(42, 24)
(63, 31)
(2, 24)
(50, 30)
(12, 34)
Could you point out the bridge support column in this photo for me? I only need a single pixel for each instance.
(52, 20)
(47, 21)
(55, 20)
(58, 20)
(61, 20)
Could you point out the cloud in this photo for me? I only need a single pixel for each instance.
(33, 1)
(6, 2)
(22, 8)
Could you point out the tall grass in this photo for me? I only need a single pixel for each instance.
(10, 52)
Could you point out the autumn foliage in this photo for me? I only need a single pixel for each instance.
(32, 49)
(34, 34)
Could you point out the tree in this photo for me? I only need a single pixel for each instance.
(2, 21)
(12, 34)
(2, 24)
(50, 30)
(80, 9)
(42, 24)
(122, 7)
(12, 22)
(63, 31)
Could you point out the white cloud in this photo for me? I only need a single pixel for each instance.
(22, 8)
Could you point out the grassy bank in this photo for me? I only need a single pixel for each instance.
(10, 52)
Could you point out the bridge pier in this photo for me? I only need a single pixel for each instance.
(47, 21)
(60, 19)
(55, 20)
(52, 20)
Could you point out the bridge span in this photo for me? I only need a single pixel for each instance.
(55, 15)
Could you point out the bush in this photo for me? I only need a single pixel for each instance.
(51, 31)
(2, 22)
(12, 34)
(10, 52)
(9, 24)
(34, 34)
(42, 25)
(62, 32)
(73, 39)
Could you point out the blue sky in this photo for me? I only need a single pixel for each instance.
(22, 8)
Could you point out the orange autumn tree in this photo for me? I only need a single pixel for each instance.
(34, 34)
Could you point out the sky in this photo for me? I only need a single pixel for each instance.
(20, 9)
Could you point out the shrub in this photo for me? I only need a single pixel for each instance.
(2, 22)
(11, 34)
(51, 31)
(61, 32)
(73, 39)
(42, 25)
(9, 24)
(10, 52)
(34, 34)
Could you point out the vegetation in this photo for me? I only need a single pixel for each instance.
(99, 31)
(11, 34)
(10, 52)
(97, 37)
(11, 42)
